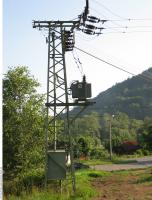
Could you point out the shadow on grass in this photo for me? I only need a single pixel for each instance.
(98, 174)
(106, 161)
(145, 179)
(124, 161)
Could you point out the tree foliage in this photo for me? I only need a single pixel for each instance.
(87, 125)
(23, 135)
(145, 134)
(86, 134)
(122, 129)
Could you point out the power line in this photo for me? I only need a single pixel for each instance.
(121, 17)
(115, 66)
(126, 32)
(132, 19)
(115, 58)
(117, 25)
(78, 63)
(119, 20)
(105, 18)
(128, 27)
(109, 10)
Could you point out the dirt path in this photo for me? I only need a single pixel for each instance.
(141, 163)
(124, 186)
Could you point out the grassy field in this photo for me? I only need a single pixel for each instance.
(84, 189)
(92, 185)
(115, 160)
(97, 185)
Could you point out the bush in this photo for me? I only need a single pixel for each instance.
(142, 152)
(98, 153)
(83, 145)
(24, 182)
(12, 187)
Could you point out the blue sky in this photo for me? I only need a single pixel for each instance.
(26, 46)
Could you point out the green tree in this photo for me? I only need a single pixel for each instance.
(122, 129)
(86, 134)
(23, 135)
(87, 125)
(145, 134)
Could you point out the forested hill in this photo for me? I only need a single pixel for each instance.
(133, 97)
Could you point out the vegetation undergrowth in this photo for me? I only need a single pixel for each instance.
(115, 160)
(84, 190)
(96, 161)
(146, 178)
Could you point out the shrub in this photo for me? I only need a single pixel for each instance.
(24, 182)
(142, 152)
(98, 153)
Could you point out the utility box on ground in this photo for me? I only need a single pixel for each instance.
(56, 165)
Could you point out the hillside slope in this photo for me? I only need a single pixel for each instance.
(132, 96)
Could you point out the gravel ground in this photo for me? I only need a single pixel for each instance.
(141, 163)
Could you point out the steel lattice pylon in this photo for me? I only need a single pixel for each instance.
(57, 96)
(59, 41)
(57, 91)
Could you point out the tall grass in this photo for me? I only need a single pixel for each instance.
(84, 189)
(146, 177)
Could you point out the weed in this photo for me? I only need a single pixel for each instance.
(84, 190)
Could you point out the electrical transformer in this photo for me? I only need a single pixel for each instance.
(81, 90)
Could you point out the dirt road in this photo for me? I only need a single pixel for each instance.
(139, 164)
(133, 185)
